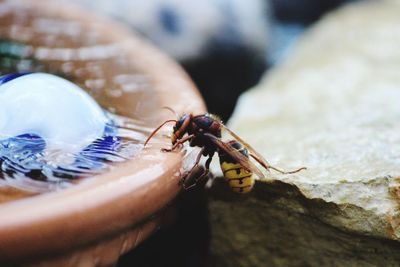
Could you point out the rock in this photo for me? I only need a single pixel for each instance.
(332, 107)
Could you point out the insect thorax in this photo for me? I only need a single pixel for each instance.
(206, 124)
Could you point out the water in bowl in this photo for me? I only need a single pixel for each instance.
(53, 134)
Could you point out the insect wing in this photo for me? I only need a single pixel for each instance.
(257, 156)
(236, 155)
(253, 153)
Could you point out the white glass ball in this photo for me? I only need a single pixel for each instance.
(60, 112)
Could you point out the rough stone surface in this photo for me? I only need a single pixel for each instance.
(333, 107)
(276, 225)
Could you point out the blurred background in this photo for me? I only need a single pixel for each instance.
(225, 46)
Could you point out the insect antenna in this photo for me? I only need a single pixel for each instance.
(172, 110)
(156, 130)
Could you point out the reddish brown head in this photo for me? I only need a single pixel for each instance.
(181, 127)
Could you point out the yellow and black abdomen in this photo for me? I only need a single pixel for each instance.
(239, 179)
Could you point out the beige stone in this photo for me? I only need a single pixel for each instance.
(334, 107)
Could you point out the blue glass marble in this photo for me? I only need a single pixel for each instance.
(9, 77)
(51, 129)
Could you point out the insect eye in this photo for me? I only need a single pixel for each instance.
(179, 124)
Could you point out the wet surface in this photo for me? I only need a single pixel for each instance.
(74, 50)
(28, 165)
(33, 42)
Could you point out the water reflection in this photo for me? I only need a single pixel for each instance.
(25, 163)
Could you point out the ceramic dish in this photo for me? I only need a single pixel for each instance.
(94, 222)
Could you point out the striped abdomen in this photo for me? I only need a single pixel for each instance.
(239, 179)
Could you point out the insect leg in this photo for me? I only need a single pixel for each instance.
(188, 176)
(202, 176)
(178, 143)
(267, 166)
(287, 172)
(207, 164)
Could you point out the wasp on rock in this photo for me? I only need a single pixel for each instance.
(204, 131)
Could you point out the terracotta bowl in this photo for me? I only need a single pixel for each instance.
(97, 220)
